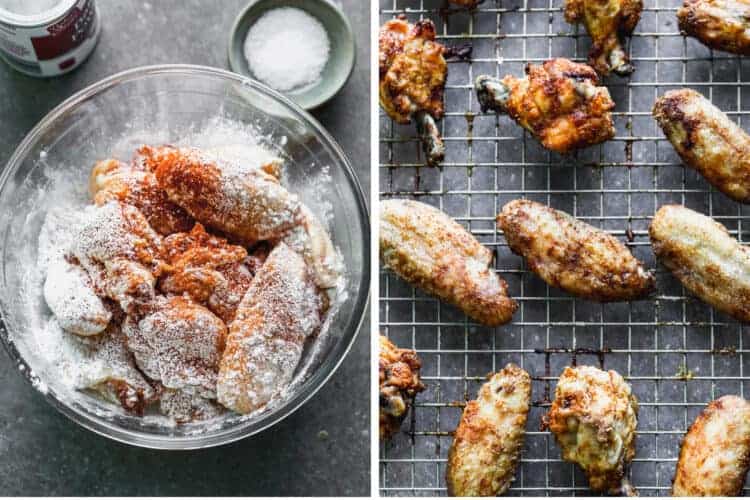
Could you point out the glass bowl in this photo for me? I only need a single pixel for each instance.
(166, 104)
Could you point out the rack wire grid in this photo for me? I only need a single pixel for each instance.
(676, 352)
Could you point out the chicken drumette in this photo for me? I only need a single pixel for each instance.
(593, 418)
(607, 22)
(399, 384)
(559, 102)
(718, 24)
(413, 71)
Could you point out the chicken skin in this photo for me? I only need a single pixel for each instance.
(121, 254)
(282, 308)
(718, 24)
(706, 259)
(413, 72)
(715, 453)
(594, 417)
(178, 343)
(572, 255)
(134, 185)
(399, 384)
(428, 249)
(242, 200)
(208, 269)
(607, 22)
(559, 102)
(707, 140)
(488, 441)
(71, 297)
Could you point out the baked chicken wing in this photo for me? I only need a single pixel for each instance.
(281, 309)
(413, 72)
(430, 250)
(607, 22)
(559, 102)
(134, 185)
(718, 24)
(707, 140)
(488, 441)
(715, 453)
(570, 254)
(399, 384)
(706, 259)
(593, 418)
(242, 200)
(208, 269)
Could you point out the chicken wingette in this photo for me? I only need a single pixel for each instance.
(569, 254)
(399, 384)
(607, 22)
(428, 249)
(488, 441)
(593, 418)
(413, 72)
(702, 254)
(559, 102)
(718, 24)
(707, 140)
(715, 453)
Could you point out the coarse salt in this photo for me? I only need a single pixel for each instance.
(287, 49)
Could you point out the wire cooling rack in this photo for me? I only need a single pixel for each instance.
(676, 352)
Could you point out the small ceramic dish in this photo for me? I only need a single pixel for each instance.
(340, 61)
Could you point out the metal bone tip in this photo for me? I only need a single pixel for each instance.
(491, 93)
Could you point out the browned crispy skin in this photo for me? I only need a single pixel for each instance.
(488, 441)
(559, 102)
(466, 3)
(572, 255)
(412, 80)
(593, 418)
(607, 22)
(707, 140)
(715, 454)
(432, 251)
(718, 24)
(412, 69)
(706, 259)
(399, 384)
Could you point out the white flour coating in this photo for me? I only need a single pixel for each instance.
(280, 310)
(55, 203)
(28, 7)
(70, 296)
(104, 243)
(85, 363)
(287, 49)
(186, 406)
(178, 345)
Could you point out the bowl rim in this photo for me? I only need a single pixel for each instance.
(316, 380)
(322, 98)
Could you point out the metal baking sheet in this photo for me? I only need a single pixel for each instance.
(676, 352)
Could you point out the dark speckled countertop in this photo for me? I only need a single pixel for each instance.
(323, 448)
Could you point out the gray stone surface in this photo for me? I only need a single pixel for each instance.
(43, 453)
